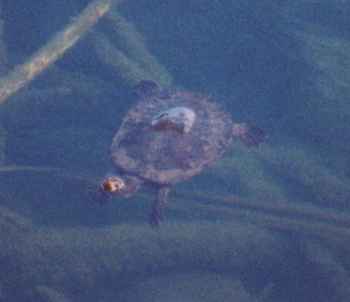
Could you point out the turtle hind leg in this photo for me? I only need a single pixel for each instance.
(250, 135)
(156, 215)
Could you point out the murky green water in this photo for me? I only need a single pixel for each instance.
(265, 224)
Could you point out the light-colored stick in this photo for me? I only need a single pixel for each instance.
(54, 49)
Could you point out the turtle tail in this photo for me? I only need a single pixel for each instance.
(250, 135)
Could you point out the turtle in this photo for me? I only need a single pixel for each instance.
(169, 136)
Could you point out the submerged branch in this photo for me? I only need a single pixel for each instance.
(321, 223)
(15, 168)
(3, 50)
(129, 70)
(54, 49)
(128, 40)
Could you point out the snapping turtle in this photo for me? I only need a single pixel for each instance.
(168, 137)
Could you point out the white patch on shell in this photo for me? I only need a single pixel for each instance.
(180, 119)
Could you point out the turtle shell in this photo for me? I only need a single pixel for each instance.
(167, 156)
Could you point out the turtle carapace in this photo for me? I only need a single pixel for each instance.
(168, 137)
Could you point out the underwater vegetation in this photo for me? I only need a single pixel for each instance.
(260, 225)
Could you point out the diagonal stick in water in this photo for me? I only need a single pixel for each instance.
(54, 49)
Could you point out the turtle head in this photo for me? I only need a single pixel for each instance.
(117, 185)
(180, 119)
(112, 184)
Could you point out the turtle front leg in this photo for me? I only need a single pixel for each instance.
(158, 205)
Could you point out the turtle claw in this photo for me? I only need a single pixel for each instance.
(254, 137)
(156, 216)
(250, 135)
(155, 219)
(101, 197)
